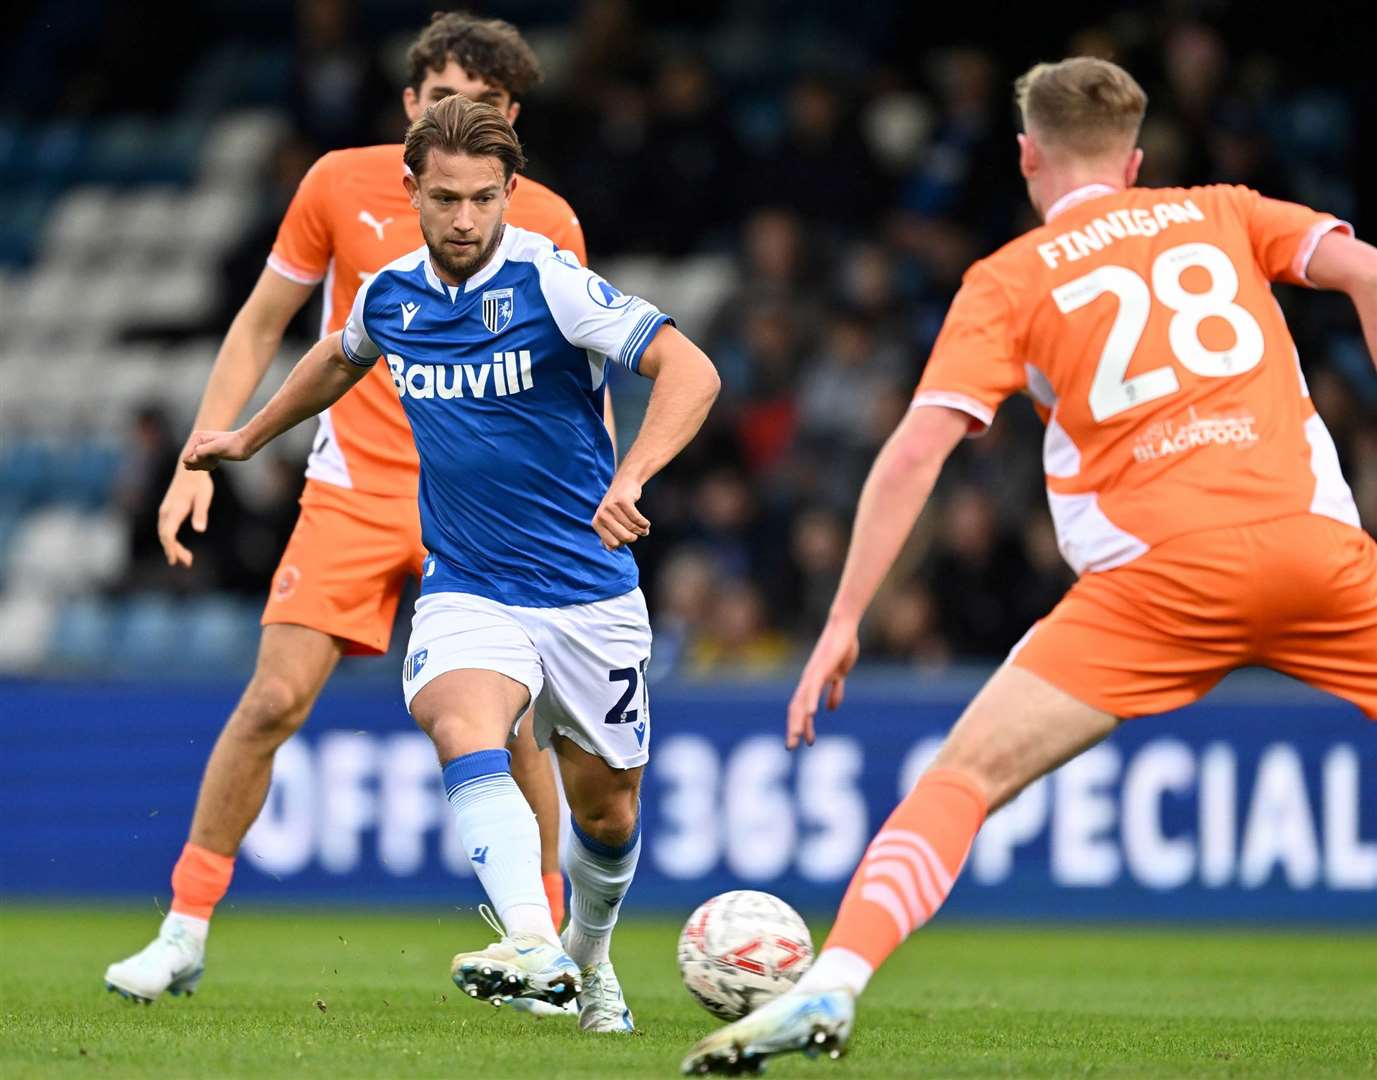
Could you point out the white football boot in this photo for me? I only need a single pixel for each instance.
(809, 1023)
(601, 1004)
(174, 961)
(540, 1010)
(517, 966)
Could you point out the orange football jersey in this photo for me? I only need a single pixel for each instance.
(350, 217)
(1143, 324)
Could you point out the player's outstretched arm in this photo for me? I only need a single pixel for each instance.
(249, 347)
(894, 494)
(320, 378)
(686, 385)
(1347, 265)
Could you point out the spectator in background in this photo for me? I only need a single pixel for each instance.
(690, 140)
(821, 166)
(1195, 62)
(818, 549)
(776, 272)
(725, 521)
(1364, 468)
(867, 283)
(738, 638)
(963, 177)
(266, 526)
(684, 595)
(337, 81)
(839, 383)
(1048, 575)
(602, 158)
(976, 572)
(759, 371)
(903, 629)
(1164, 154)
(154, 453)
(838, 394)
(607, 43)
(1005, 463)
(1333, 399)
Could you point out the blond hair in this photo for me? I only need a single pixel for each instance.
(1083, 105)
(460, 126)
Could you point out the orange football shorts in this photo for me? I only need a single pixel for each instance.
(1297, 594)
(346, 565)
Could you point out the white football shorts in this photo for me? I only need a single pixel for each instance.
(583, 664)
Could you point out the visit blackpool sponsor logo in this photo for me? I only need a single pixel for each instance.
(1173, 437)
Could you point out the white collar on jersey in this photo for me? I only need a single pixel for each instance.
(1080, 195)
(493, 265)
(433, 279)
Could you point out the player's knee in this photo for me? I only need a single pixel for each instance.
(995, 778)
(610, 821)
(271, 710)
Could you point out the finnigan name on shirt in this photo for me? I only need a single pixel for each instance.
(1099, 233)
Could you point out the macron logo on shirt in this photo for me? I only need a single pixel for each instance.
(409, 313)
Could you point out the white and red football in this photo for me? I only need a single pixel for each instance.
(741, 949)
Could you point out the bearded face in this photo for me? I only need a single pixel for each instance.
(461, 200)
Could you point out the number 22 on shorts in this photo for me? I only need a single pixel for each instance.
(633, 677)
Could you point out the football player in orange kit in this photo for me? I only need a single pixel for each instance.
(1193, 487)
(358, 538)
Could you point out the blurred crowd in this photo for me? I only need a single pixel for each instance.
(852, 166)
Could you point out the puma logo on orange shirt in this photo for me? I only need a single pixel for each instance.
(373, 223)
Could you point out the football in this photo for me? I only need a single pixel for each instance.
(742, 949)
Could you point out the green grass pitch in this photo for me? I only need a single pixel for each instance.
(308, 993)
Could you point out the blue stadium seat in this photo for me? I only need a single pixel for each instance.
(148, 636)
(81, 474)
(22, 215)
(11, 514)
(219, 634)
(25, 465)
(57, 152)
(93, 465)
(123, 151)
(11, 140)
(83, 637)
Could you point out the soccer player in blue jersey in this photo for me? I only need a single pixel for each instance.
(498, 344)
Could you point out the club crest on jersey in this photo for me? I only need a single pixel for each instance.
(498, 306)
(414, 663)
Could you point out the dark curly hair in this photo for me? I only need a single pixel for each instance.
(491, 49)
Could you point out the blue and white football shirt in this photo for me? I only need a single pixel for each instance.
(502, 381)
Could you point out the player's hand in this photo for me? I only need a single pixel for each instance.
(206, 449)
(617, 521)
(832, 660)
(188, 494)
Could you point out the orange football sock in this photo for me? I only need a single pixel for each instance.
(910, 866)
(199, 881)
(554, 892)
